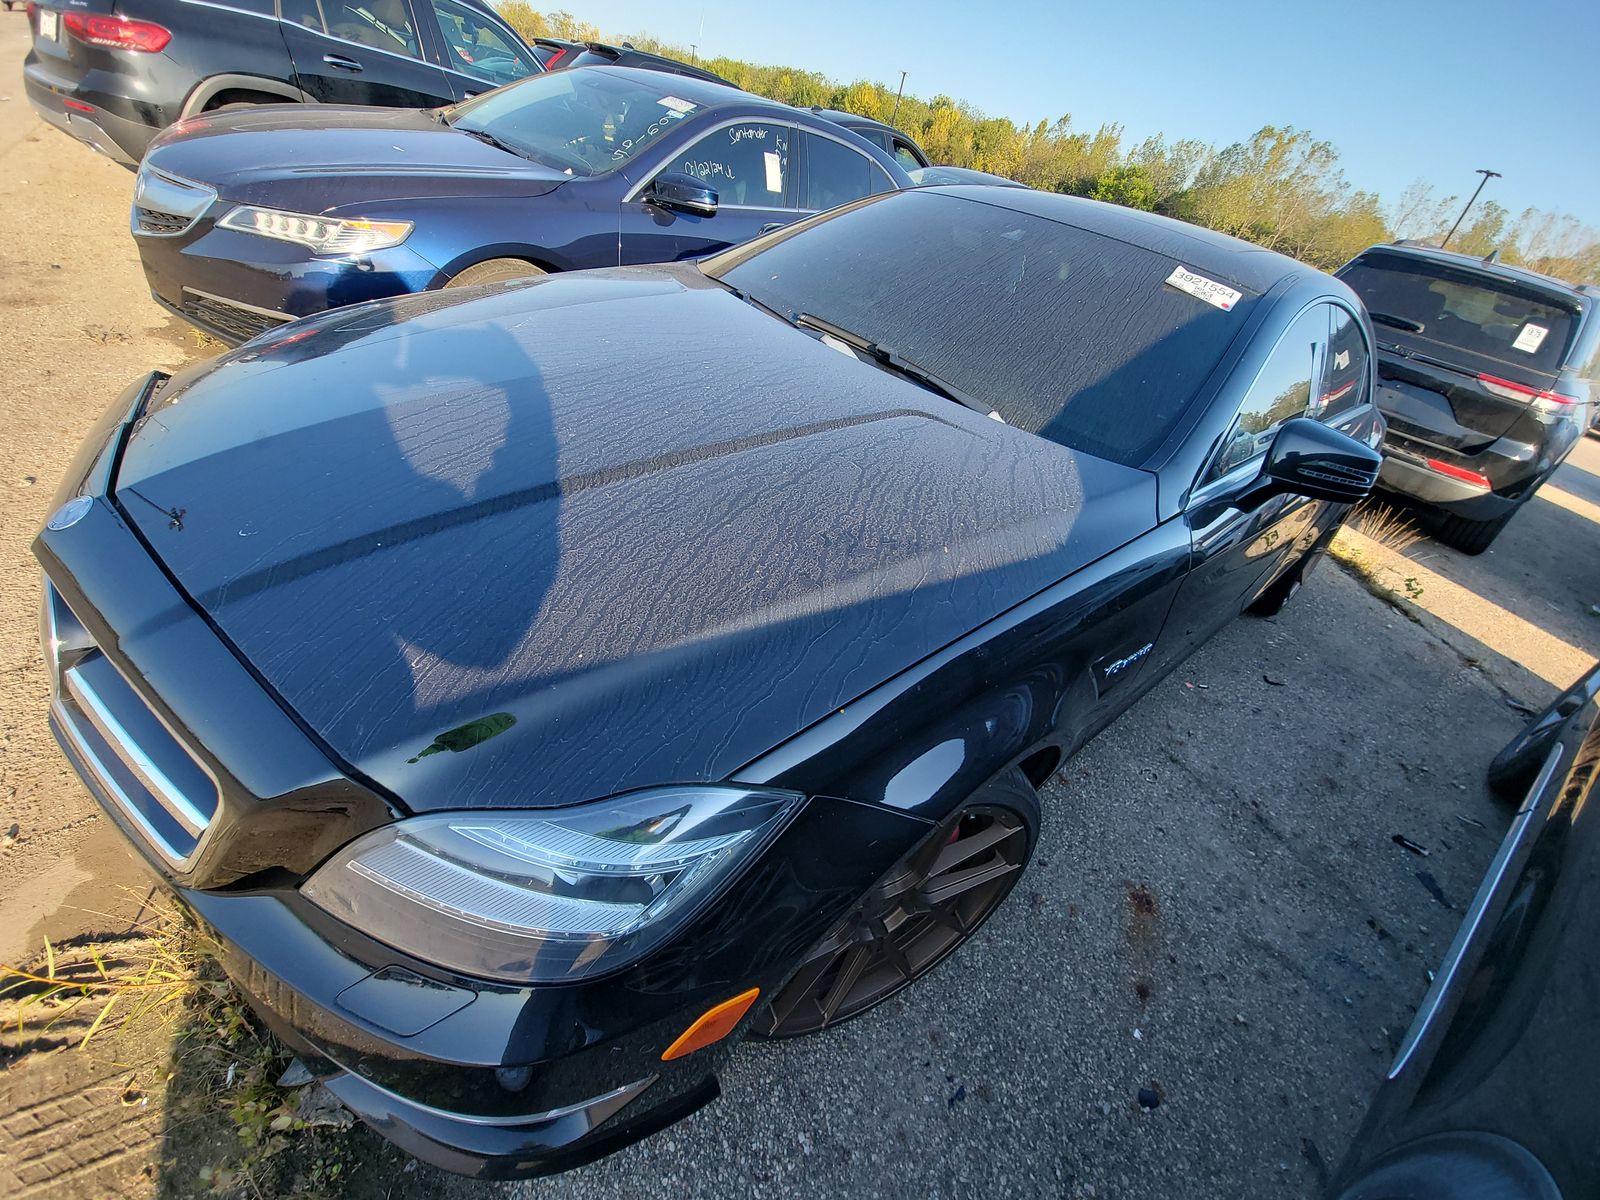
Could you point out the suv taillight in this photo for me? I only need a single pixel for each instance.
(117, 32)
(1507, 389)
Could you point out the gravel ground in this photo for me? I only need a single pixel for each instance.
(1217, 911)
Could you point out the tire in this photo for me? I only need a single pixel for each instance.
(1281, 590)
(1278, 593)
(907, 923)
(1469, 536)
(496, 270)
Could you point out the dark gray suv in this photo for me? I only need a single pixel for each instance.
(1487, 375)
(114, 73)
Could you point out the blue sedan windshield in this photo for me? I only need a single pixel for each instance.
(582, 121)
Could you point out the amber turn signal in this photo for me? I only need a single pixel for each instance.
(713, 1025)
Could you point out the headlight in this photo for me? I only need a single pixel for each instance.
(324, 235)
(548, 895)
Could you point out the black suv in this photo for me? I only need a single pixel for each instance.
(114, 73)
(1488, 374)
(905, 152)
(557, 54)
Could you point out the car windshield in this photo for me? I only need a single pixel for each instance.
(1069, 334)
(583, 122)
(1450, 312)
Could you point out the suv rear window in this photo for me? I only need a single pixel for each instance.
(1440, 308)
(1064, 332)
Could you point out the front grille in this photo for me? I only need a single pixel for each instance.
(167, 205)
(122, 745)
(233, 319)
(152, 220)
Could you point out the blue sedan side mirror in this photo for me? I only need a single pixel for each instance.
(677, 192)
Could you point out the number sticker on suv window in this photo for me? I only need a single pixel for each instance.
(1530, 338)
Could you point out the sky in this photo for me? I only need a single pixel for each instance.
(1406, 89)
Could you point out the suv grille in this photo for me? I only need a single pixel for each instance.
(232, 319)
(122, 745)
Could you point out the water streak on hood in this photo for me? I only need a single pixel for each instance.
(648, 530)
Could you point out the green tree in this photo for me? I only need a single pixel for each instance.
(1126, 185)
(1282, 188)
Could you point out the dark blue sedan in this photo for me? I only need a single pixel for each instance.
(245, 220)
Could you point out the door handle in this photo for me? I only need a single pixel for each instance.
(771, 226)
(343, 63)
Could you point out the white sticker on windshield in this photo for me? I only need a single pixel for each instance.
(676, 105)
(1209, 290)
(774, 172)
(1530, 338)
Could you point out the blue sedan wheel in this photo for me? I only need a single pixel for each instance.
(495, 270)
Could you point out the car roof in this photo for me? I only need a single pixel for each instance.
(1199, 249)
(852, 120)
(1487, 266)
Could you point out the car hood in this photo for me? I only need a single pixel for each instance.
(322, 157)
(601, 531)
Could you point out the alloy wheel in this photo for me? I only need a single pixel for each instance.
(912, 919)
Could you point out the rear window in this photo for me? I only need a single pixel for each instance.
(1450, 312)
(1066, 333)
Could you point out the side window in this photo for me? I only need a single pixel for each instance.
(836, 174)
(1591, 369)
(1282, 390)
(381, 24)
(1344, 377)
(748, 164)
(478, 48)
(906, 156)
(306, 13)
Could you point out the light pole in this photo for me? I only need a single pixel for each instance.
(1487, 175)
(897, 96)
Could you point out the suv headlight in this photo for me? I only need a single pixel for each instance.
(548, 895)
(324, 235)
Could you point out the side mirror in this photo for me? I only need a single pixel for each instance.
(677, 192)
(1307, 458)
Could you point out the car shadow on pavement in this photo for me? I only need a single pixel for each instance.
(1525, 608)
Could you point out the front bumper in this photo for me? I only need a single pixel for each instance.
(235, 285)
(500, 1081)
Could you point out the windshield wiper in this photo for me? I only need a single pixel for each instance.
(884, 356)
(483, 135)
(1405, 323)
(749, 299)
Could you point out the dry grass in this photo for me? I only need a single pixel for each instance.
(1388, 526)
(149, 972)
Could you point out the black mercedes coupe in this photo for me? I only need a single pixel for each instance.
(537, 688)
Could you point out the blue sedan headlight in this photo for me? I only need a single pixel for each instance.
(324, 235)
(548, 895)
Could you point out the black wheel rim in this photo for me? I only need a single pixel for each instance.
(911, 920)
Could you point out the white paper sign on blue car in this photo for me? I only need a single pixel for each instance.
(1209, 290)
